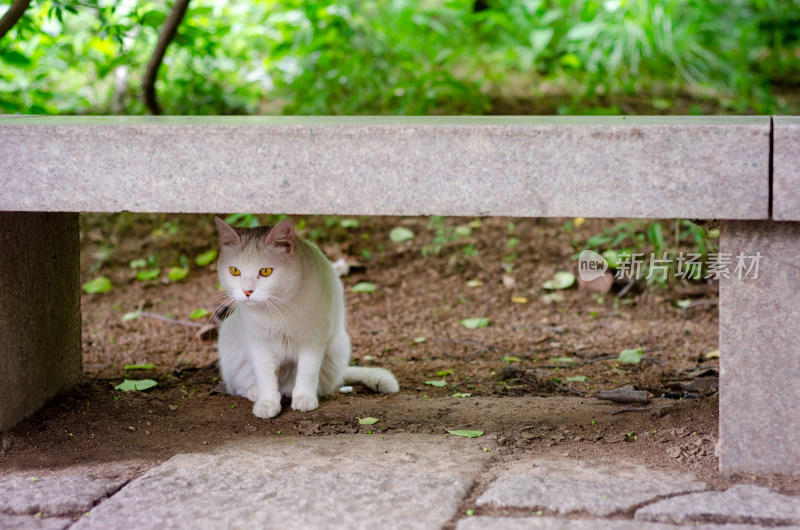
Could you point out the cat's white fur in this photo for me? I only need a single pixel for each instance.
(288, 336)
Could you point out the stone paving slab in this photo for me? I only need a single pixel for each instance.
(565, 487)
(348, 481)
(552, 523)
(29, 522)
(614, 166)
(52, 496)
(742, 503)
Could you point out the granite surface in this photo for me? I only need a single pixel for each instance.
(31, 522)
(553, 523)
(695, 167)
(742, 503)
(571, 487)
(760, 349)
(347, 481)
(786, 169)
(53, 496)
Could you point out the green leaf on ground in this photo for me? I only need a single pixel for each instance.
(444, 373)
(551, 298)
(576, 379)
(562, 360)
(683, 304)
(463, 231)
(133, 315)
(631, 356)
(101, 284)
(198, 313)
(206, 258)
(138, 385)
(367, 421)
(400, 234)
(176, 274)
(146, 366)
(420, 340)
(146, 275)
(560, 280)
(468, 434)
(612, 258)
(348, 223)
(363, 287)
(439, 383)
(138, 263)
(475, 323)
(462, 394)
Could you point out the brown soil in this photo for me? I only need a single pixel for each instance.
(520, 395)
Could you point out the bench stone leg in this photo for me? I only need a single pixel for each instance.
(759, 336)
(40, 319)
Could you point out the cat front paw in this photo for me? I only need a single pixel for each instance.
(267, 409)
(305, 402)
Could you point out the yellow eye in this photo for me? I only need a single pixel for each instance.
(266, 271)
(235, 271)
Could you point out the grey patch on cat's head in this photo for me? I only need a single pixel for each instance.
(281, 236)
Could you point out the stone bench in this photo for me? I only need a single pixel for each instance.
(742, 170)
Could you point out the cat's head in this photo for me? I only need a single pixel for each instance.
(257, 265)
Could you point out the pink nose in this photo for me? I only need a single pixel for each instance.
(247, 293)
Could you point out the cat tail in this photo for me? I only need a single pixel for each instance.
(378, 379)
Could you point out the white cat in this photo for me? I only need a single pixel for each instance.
(286, 335)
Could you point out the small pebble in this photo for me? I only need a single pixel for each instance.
(346, 389)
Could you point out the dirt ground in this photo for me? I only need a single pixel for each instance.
(512, 375)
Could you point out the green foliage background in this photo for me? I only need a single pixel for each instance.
(411, 57)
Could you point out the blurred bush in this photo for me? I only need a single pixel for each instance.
(411, 57)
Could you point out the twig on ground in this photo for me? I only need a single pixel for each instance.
(603, 358)
(171, 320)
(484, 348)
(697, 303)
(627, 288)
(568, 388)
(467, 383)
(635, 409)
(624, 395)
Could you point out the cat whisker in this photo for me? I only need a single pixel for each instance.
(286, 303)
(277, 309)
(228, 305)
(288, 307)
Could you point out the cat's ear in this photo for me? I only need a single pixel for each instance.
(228, 237)
(282, 235)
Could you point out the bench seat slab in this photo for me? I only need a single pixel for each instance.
(692, 167)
